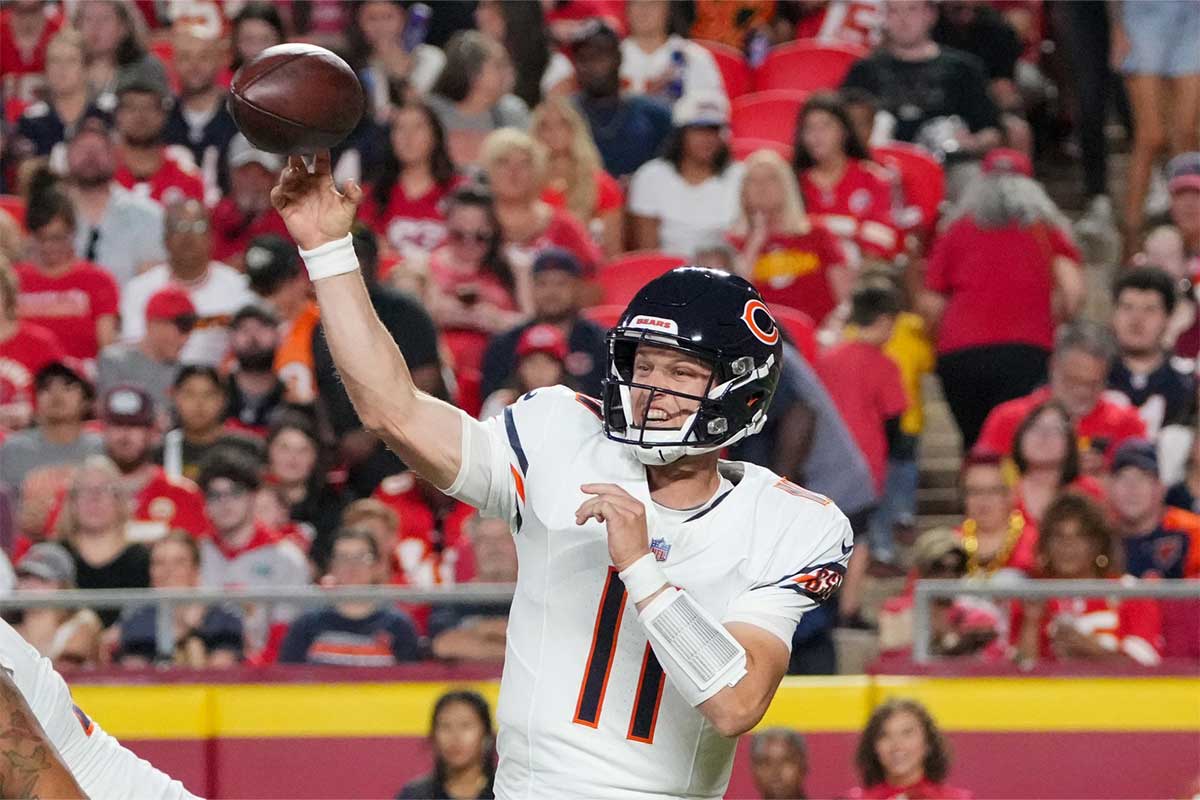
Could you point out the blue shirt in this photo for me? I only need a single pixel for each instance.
(1159, 554)
(385, 638)
(628, 133)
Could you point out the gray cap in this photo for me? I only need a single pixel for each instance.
(241, 152)
(146, 75)
(49, 561)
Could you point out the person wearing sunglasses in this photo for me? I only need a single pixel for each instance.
(152, 361)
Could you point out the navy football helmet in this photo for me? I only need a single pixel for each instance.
(711, 315)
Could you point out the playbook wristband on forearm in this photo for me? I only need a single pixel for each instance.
(643, 578)
(332, 258)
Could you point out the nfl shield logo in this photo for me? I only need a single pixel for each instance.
(660, 548)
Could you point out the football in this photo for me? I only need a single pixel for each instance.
(295, 98)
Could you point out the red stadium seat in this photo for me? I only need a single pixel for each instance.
(735, 71)
(15, 206)
(767, 115)
(604, 316)
(621, 279)
(800, 329)
(806, 65)
(922, 180)
(743, 147)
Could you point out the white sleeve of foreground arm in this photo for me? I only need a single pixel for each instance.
(484, 479)
(332, 258)
(698, 654)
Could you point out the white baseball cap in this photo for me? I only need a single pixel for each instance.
(701, 107)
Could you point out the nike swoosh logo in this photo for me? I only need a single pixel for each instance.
(846, 550)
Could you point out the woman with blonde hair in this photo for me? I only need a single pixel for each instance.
(92, 527)
(792, 261)
(575, 179)
(515, 165)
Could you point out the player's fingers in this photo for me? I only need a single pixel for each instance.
(323, 163)
(353, 192)
(296, 164)
(618, 496)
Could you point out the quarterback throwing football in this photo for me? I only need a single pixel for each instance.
(658, 586)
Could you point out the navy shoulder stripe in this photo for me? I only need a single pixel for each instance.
(515, 441)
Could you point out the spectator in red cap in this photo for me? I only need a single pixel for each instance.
(158, 502)
(24, 349)
(246, 211)
(151, 362)
(541, 361)
(1078, 378)
(76, 300)
(26, 27)
(1000, 278)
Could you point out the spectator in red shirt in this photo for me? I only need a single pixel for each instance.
(842, 188)
(26, 27)
(1078, 378)
(902, 754)
(474, 292)
(791, 261)
(404, 204)
(999, 278)
(516, 169)
(1076, 543)
(575, 177)
(997, 538)
(246, 212)
(25, 349)
(73, 299)
(1047, 458)
(144, 164)
(158, 502)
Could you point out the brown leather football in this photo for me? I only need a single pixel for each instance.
(296, 98)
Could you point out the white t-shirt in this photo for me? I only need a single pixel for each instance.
(99, 763)
(690, 215)
(639, 67)
(582, 690)
(217, 296)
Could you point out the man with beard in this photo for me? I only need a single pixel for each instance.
(216, 290)
(160, 502)
(255, 391)
(199, 120)
(116, 229)
(146, 166)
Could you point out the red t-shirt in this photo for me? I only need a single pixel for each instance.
(854, 22)
(866, 388)
(233, 232)
(173, 181)
(1132, 626)
(468, 345)
(924, 789)
(1107, 421)
(568, 233)
(69, 305)
(608, 193)
(998, 283)
(22, 356)
(173, 503)
(858, 208)
(408, 223)
(20, 62)
(793, 270)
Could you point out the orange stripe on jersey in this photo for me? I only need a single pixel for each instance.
(591, 404)
(519, 481)
(800, 491)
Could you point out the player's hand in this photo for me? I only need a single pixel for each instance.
(623, 515)
(311, 205)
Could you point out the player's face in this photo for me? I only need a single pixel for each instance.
(986, 497)
(902, 748)
(822, 135)
(127, 445)
(665, 368)
(778, 771)
(353, 564)
(1136, 495)
(1077, 380)
(172, 566)
(1139, 321)
(458, 736)
(1072, 554)
(229, 505)
(292, 456)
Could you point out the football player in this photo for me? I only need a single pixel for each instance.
(658, 586)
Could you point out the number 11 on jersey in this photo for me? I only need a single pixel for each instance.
(599, 665)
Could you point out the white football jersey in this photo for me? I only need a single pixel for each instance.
(585, 709)
(102, 767)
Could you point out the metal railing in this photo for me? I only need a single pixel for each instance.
(167, 600)
(925, 591)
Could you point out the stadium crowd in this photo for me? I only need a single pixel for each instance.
(171, 416)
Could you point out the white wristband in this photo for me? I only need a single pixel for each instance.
(643, 578)
(332, 258)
